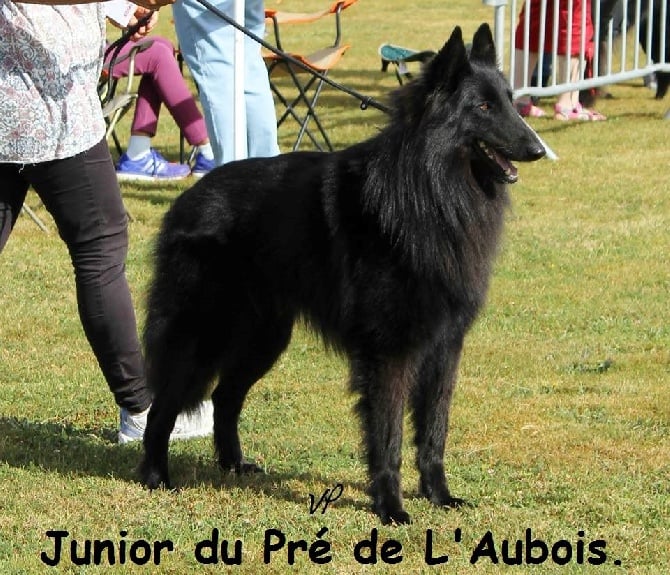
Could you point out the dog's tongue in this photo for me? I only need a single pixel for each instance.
(511, 173)
(508, 168)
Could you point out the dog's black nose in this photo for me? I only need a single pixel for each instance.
(535, 152)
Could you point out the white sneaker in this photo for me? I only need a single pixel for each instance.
(197, 423)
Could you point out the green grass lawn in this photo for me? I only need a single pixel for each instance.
(560, 430)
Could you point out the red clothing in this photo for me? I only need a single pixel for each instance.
(563, 33)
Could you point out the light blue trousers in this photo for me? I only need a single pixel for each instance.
(207, 44)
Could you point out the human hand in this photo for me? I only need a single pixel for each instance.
(140, 13)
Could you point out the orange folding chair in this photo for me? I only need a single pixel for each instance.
(304, 83)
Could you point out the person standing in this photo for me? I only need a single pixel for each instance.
(52, 137)
(569, 43)
(207, 45)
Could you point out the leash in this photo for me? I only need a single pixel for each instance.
(115, 47)
(120, 42)
(365, 101)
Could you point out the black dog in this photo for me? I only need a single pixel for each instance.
(384, 248)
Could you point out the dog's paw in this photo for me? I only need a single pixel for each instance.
(392, 514)
(246, 467)
(243, 467)
(154, 478)
(450, 502)
(438, 494)
(455, 503)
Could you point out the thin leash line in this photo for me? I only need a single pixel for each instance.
(366, 101)
(115, 47)
(120, 42)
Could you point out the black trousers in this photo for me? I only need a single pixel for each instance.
(83, 196)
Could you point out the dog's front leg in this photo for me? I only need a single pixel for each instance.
(431, 401)
(383, 388)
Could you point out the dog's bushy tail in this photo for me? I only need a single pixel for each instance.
(180, 303)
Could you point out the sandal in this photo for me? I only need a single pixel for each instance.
(577, 113)
(594, 116)
(529, 110)
(570, 114)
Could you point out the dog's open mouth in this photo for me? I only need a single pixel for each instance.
(506, 171)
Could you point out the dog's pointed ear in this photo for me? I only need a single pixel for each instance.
(483, 48)
(451, 62)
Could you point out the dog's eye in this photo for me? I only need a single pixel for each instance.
(485, 106)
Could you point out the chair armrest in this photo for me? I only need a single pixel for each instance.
(279, 17)
(136, 49)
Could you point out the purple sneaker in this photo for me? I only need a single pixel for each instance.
(153, 166)
(201, 166)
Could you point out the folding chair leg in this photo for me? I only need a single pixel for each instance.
(312, 114)
(310, 104)
(289, 108)
(35, 218)
(290, 111)
(111, 129)
(117, 144)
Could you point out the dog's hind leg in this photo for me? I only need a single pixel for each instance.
(252, 358)
(383, 387)
(431, 400)
(160, 423)
(184, 375)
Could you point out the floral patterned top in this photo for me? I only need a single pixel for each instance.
(50, 59)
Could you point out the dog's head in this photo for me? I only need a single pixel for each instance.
(466, 101)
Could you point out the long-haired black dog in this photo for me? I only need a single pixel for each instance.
(384, 248)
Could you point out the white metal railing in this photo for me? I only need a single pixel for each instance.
(632, 60)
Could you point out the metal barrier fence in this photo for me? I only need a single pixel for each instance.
(616, 56)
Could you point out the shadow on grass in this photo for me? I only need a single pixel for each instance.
(90, 451)
(152, 197)
(152, 194)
